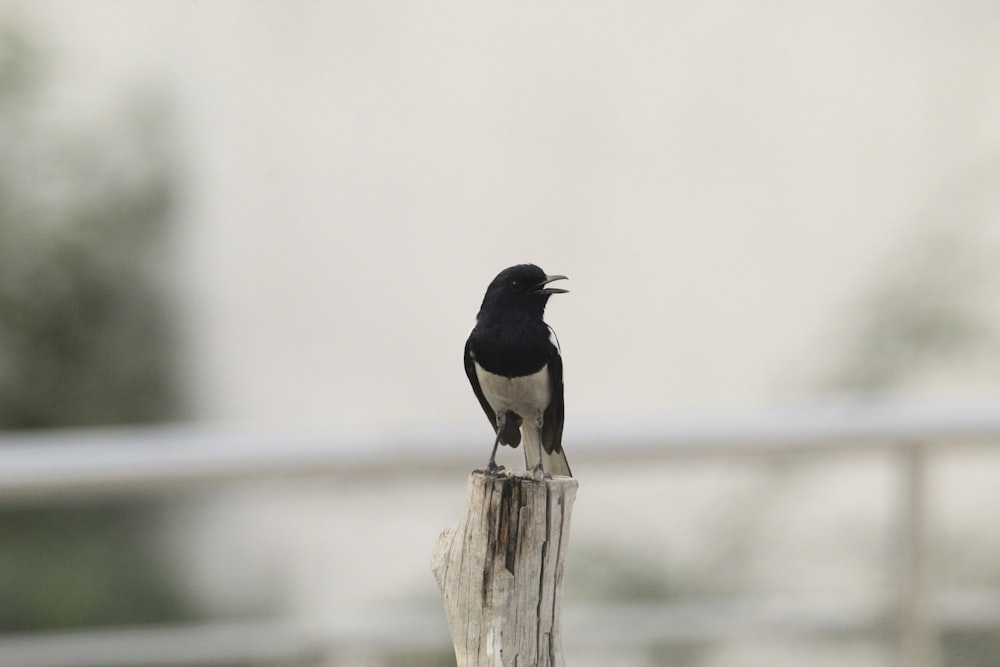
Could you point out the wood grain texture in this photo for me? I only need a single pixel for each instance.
(501, 570)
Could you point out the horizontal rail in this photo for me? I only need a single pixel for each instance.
(42, 466)
(584, 627)
(49, 464)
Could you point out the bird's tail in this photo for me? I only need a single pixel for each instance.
(553, 463)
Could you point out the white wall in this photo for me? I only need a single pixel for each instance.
(719, 180)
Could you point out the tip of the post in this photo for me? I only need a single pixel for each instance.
(521, 477)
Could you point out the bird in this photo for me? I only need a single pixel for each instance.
(513, 361)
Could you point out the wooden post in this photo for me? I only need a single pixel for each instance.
(501, 570)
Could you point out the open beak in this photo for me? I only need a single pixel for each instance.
(541, 288)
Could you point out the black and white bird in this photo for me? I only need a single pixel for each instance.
(513, 361)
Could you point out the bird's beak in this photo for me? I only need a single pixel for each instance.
(541, 289)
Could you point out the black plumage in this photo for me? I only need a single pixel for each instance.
(514, 364)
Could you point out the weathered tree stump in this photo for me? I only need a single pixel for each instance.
(501, 570)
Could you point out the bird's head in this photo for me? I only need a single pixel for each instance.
(522, 287)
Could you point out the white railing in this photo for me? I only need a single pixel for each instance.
(44, 466)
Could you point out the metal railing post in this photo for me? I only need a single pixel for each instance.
(918, 638)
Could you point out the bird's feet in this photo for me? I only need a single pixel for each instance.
(538, 474)
(493, 469)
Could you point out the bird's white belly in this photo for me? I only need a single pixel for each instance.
(527, 395)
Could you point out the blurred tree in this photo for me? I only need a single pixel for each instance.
(84, 340)
(933, 313)
(84, 333)
(929, 312)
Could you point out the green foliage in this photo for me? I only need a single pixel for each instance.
(443, 658)
(925, 315)
(84, 331)
(82, 566)
(929, 309)
(85, 339)
(971, 649)
(603, 574)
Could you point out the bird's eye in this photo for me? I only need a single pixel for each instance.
(516, 285)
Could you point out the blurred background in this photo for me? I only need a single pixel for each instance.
(244, 241)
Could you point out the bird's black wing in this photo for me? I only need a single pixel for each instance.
(552, 424)
(470, 370)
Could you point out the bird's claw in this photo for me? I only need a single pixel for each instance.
(493, 469)
(538, 474)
